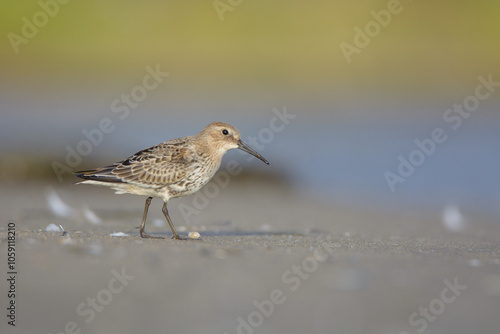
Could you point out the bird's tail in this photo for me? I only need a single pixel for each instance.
(101, 174)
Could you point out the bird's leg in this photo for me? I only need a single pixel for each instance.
(165, 212)
(143, 225)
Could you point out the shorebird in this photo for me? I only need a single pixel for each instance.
(172, 169)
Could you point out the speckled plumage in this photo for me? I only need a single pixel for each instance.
(171, 169)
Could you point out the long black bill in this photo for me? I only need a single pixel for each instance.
(244, 147)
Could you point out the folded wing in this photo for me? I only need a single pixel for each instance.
(154, 167)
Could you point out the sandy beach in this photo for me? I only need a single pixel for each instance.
(290, 265)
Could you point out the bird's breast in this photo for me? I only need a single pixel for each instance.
(193, 181)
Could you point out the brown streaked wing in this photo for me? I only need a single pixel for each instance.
(159, 165)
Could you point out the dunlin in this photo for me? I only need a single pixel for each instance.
(175, 168)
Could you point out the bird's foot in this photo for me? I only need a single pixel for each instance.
(145, 235)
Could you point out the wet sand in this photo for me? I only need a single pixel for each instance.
(268, 261)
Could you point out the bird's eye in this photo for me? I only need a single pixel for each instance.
(225, 132)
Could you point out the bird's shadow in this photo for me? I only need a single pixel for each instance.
(239, 233)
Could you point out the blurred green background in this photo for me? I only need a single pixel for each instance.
(289, 46)
(353, 119)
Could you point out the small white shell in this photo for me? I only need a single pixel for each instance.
(194, 235)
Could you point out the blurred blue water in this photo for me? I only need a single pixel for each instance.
(348, 161)
(340, 160)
